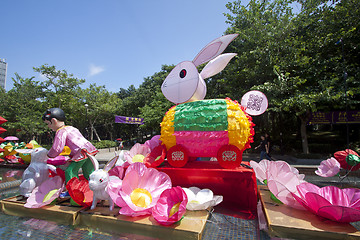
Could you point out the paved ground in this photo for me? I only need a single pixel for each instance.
(305, 166)
(105, 155)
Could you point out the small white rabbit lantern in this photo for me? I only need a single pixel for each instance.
(99, 180)
(184, 83)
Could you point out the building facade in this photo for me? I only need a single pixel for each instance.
(3, 68)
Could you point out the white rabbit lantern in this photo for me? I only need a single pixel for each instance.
(184, 83)
(195, 127)
(99, 180)
(37, 172)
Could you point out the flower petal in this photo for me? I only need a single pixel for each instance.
(204, 195)
(340, 213)
(126, 210)
(259, 170)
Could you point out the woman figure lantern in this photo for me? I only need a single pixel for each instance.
(195, 127)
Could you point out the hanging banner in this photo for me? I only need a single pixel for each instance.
(338, 117)
(346, 117)
(129, 120)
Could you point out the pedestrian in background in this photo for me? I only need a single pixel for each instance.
(264, 148)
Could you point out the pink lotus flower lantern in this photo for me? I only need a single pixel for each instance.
(171, 206)
(340, 205)
(47, 192)
(283, 185)
(141, 189)
(137, 153)
(328, 168)
(281, 179)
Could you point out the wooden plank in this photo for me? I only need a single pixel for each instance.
(63, 213)
(288, 222)
(101, 219)
(190, 227)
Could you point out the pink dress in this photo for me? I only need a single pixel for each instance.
(72, 138)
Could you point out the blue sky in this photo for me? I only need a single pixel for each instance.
(115, 43)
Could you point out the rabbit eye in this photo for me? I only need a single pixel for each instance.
(182, 73)
(101, 180)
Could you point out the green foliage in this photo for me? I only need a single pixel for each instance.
(24, 108)
(296, 58)
(104, 144)
(61, 87)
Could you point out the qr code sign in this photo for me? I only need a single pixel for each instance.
(254, 102)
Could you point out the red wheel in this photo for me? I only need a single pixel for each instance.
(229, 156)
(177, 156)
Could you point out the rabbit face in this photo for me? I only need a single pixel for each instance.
(184, 84)
(98, 180)
(39, 155)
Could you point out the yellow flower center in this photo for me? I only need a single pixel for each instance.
(49, 195)
(174, 209)
(194, 201)
(138, 158)
(141, 197)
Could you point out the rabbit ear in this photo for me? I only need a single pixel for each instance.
(216, 65)
(111, 163)
(213, 49)
(93, 160)
(24, 151)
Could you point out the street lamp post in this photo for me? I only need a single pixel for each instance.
(87, 120)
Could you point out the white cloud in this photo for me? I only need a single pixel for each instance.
(94, 70)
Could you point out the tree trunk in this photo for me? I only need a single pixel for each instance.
(304, 139)
(97, 135)
(91, 133)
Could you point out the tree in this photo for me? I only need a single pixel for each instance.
(25, 108)
(291, 57)
(61, 86)
(100, 107)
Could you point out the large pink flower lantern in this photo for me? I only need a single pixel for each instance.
(341, 205)
(141, 189)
